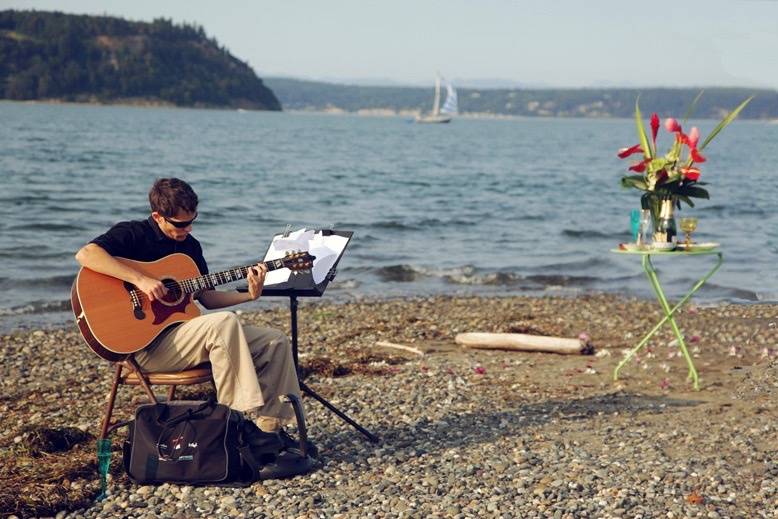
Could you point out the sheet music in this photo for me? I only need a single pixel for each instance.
(326, 249)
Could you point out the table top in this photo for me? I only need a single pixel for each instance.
(650, 252)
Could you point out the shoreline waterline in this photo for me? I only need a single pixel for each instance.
(14, 324)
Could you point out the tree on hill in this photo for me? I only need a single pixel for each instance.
(52, 55)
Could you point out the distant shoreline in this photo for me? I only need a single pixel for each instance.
(131, 102)
(153, 103)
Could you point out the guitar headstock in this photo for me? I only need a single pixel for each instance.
(296, 261)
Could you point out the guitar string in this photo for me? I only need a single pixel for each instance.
(193, 284)
(208, 280)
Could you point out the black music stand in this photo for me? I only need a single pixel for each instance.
(304, 285)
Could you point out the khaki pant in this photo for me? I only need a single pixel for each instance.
(251, 366)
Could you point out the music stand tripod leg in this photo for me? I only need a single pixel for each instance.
(310, 392)
(343, 416)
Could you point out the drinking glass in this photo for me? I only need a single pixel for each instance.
(634, 221)
(688, 226)
(644, 235)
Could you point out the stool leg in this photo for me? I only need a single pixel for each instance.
(142, 379)
(171, 393)
(110, 404)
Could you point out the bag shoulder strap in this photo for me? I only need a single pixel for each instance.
(188, 415)
(244, 449)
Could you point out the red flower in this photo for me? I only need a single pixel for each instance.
(671, 125)
(691, 173)
(638, 167)
(626, 152)
(654, 127)
(479, 370)
(695, 155)
(693, 137)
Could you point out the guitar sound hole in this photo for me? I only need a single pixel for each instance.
(174, 294)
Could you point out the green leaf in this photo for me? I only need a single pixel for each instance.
(695, 192)
(685, 199)
(692, 106)
(634, 181)
(724, 122)
(647, 153)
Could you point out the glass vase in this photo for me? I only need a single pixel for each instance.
(665, 232)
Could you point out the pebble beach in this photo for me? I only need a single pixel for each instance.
(464, 432)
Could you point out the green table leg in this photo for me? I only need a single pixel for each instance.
(648, 267)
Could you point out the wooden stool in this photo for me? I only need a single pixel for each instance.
(134, 376)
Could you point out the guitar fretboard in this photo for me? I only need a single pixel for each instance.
(214, 279)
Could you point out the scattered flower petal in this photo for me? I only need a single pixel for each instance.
(695, 499)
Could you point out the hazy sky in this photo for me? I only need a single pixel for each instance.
(564, 43)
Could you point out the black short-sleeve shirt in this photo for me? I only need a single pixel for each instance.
(143, 240)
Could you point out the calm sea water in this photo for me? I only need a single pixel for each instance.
(500, 207)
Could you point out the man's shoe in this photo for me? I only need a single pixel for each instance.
(291, 443)
(288, 463)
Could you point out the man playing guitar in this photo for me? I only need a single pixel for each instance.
(251, 366)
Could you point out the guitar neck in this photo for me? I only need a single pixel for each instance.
(191, 285)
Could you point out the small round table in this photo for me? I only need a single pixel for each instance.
(669, 312)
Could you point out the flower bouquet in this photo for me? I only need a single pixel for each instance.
(675, 177)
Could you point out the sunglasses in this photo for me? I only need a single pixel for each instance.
(179, 224)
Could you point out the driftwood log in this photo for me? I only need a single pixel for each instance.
(403, 347)
(524, 342)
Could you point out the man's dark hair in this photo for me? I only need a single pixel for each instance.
(169, 195)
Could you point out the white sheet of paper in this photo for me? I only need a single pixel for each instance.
(326, 249)
(297, 240)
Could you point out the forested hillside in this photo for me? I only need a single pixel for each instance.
(56, 56)
(611, 102)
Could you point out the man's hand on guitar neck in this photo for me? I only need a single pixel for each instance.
(214, 299)
(256, 279)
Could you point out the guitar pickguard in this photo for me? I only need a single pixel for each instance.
(163, 310)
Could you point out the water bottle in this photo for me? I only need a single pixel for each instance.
(665, 231)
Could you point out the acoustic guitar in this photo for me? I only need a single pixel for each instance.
(116, 319)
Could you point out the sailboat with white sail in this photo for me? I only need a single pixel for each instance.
(441, 114)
